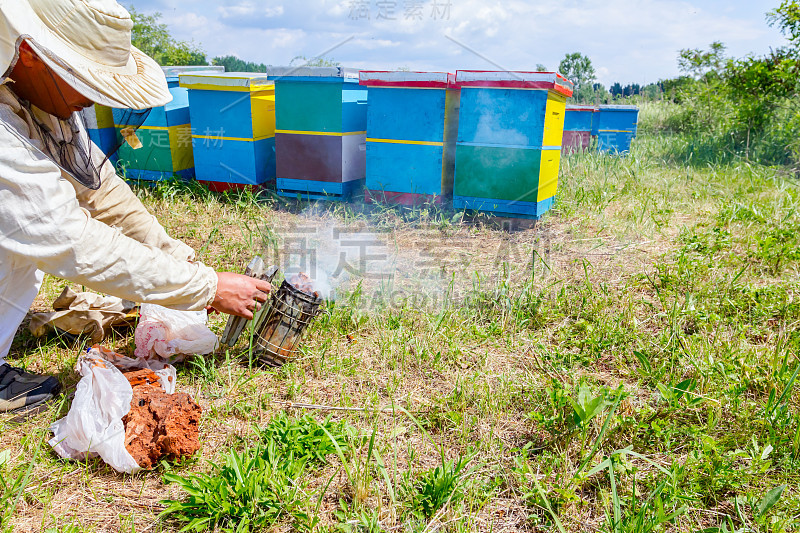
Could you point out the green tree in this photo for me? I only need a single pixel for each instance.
(675, 88)
(234, 64)
(601, 95)
(763, 88)
(652, 91)
(540, 68)
(760, 86)
(153, 38)
(702, 63)
(579, 70)
(787, 18)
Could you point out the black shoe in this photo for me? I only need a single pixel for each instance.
(20, 390)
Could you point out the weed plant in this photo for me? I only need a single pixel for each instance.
(444, 485)
(260, 486)
(250, 491)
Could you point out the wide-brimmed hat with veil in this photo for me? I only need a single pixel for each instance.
(88, 44)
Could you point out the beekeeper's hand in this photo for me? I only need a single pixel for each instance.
(240, 295)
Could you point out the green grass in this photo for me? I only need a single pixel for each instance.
(436, 488)
(629, 365)
(256, 488)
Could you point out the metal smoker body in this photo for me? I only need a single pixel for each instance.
(278, 326)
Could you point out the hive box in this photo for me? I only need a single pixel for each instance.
(412, 123)
(165, 136)
(508, 150)
(99, 121)
(233, 128)
(578, 128)
(616, 127)
(320, 132)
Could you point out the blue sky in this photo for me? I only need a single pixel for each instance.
(631, 41)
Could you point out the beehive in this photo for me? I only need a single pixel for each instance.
(233, 128)
(166, 140)
(99, 121)
(412, 123)
(578, 128)
(508, 150)
(616, 127)
(321, 123)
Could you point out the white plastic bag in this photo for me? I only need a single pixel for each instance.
(172, 334)
(103, 396)
(167, 375)
(93, 425)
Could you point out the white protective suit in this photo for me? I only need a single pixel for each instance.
(103, 239)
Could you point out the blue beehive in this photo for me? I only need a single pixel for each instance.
(320, 131)
(510, 128)
(412, 123)
(233, 128)
(615, 127)
(578, 128)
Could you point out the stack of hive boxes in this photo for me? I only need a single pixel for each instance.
(412, 123)
(508, 151)
(233, 128)
(320, 135)
(165, 135)
(615, 127)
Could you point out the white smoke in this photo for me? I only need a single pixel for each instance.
(342, 259)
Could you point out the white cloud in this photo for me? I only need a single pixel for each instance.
(191, 22)
(248, 13)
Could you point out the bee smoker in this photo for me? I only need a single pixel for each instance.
(279, 326)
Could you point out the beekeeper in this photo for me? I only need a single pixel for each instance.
(63, 209)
